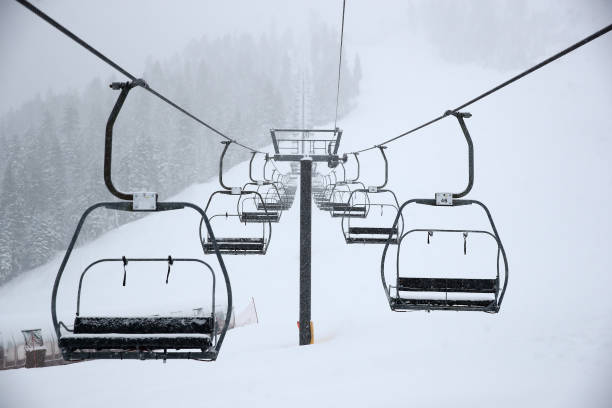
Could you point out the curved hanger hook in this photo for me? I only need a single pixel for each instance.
(108, 140)
(264, 168)
(460, 116)
(343, 172)
(227, 144)
(335, 177)
(382, 151)
(358, 168)
(253, 154)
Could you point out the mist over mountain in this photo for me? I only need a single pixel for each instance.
(243, 84)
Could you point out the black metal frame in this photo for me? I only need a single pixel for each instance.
(328, 153)
(165, 260)
(208, 354)
(396, 304)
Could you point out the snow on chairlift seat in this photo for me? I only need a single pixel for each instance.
(256, 216)
(371, 235)
(346, 210)
(445, 286)
(272, 206)
(236, 245)
(128, 333)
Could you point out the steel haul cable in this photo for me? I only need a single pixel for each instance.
(498, 87)
(117, 67)
(340, 63)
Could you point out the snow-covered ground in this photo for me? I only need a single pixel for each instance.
(542, 167)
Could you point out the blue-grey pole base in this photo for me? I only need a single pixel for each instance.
(305, 249)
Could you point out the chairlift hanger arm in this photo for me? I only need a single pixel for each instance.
(384, 156)
(264, 170)
(460, 118)
(125, 88)
(343, 172)
(358, 168)
(251, 167)
(227, 144)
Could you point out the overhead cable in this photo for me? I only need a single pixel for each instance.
(340, 64)
(123, 71)
(498, 87)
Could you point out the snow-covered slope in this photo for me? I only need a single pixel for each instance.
(542, 166)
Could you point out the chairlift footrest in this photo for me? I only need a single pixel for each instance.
(129, 342)
(208, 355)
(401, 304)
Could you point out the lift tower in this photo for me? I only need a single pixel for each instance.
(306, 146)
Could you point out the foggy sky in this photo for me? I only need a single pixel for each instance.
(37, 58)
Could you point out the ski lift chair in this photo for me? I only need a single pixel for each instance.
(359, 227)
(432, 293)
(261, 208)
(322, 198)
(277, 195)
(284, 187)
(145, 337)
(340, 202)
(237, 245)
(318, 186)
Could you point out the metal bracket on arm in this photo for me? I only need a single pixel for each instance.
(125, 88)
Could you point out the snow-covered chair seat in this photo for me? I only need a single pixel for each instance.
(237, 245)
(443, 286)
(156, 332)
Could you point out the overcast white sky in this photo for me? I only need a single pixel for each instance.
(36, 57)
